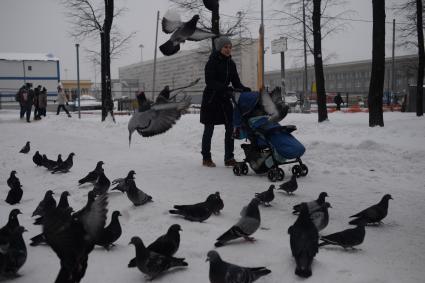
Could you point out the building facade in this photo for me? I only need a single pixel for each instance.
(185, 67)
(350, 77)
(16, 69)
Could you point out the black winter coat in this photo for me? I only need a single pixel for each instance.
(216, 107)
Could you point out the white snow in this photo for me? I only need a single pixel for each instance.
(356, 165)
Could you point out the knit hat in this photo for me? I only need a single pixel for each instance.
(221, 41)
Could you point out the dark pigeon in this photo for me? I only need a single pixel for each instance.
(267, 196)
(26, 148)
(110, 233)
(122, 184)
(348, 238)
(181, 31)
(224, 272)
(246, 226)
(11, 224)
(157, 119)
(37, 159)
(320, 217)
(72, 237)
(59, 160)
(47, 203)
(14, 195)
(211, 5)
(196, 212)
(48, 163)
(373, 214)
(291, 186)
(93, 175)
(65, 166)
(62, 205)
(102, 184)
(217, 202)
(136, 195)
(151, 263)
(13, 252)
(304, 239)
(13, 181)
(312, 205)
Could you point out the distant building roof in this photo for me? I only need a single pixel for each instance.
(28, 57)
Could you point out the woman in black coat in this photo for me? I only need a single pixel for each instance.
(216, 108)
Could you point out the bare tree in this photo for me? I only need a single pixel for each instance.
(376, 87)
(421, 65)
(91, 19)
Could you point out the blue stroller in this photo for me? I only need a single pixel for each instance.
(270, 144)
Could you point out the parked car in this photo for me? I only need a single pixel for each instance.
(87, 103)
(291, 98)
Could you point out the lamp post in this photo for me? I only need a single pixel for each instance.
(78, 80)
(141, 52)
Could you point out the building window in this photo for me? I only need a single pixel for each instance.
(29, 68)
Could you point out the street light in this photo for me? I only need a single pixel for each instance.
(141, 52)
(78, 80)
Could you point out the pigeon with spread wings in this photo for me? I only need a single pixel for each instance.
(181, 31)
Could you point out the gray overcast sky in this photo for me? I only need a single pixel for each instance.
(40, 26)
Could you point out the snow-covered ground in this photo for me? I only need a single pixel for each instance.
(356, 165)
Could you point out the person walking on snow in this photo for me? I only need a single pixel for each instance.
(61, 98)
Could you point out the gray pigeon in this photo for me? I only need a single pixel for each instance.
(136, 195)
(273, 104)
(151, 263)
(246, 226)
(121, 184)
(312, 205)
(320, 217)
(224, 272)
(158, 119)
(26, 148)
(304, 242)
(291, 186)
(181, 31)
(347, 238)
(373, 214)
(267, 196)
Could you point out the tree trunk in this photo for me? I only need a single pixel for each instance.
(215, 23)
(376, 86)
(318, 63)
(421, 65)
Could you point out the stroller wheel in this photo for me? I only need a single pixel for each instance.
(304, 170)
(244, 169)
(272, 175)
(237, 170)
(280, 174)
(296, 170)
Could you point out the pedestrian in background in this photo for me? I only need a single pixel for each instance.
(37, 91)
(42, 102)
(29, 101)
(338, 101)
(61, 98)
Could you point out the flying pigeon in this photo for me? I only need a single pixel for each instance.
(93, 175)
(312, 205)
(65, 166)
(196, 212)
(245, 227)
(304, 239)
(111, 233)
(26, 148)
(373, 214)
(13, 181)
(347, 238)
(166, 245)
(216, 201)
(37, 159)
(13, 252)
(274, 105)
(102, 184)
(158, 119)
(224, 272)
(211, 5)
(72, 237)
(181, 31)
(267, 196)
(151, 263)
(320, 217)
(291, 186)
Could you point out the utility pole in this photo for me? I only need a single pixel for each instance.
(393, 62)
(305, 87)
(78, 80)
(260, 79)
(154, 60)
(141, 52)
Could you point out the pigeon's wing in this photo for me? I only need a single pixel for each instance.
(200, 34)
(236, 274)
(93, 219)
(171, 22)
(369, 212)
(248, 225)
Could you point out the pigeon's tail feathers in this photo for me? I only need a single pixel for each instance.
(83, 180)
(231, 234)
(168, 48)
(356, 221)
(37, 240)
(132, 263)
(324, 243)
(175, 211)
(178, 262)
(257, 272)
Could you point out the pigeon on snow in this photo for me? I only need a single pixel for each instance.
(15, 194)
(246, 226)
(196, 212)
(304, 239)
(37, 159)
(65, 166)
(26, 148)
(320, 217)
(181, 31)
(224, 272)
(217, 202)
(13, 181)
(291, 186)
(312, 205)
(46, 204)
(122, 184)
(151, 263)
(102, 184)
(157, 119)
(92, 175)
(373, 214)
(48, 163)
(111, 233)
(267, 196)
(347, 238)
(13, 252)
